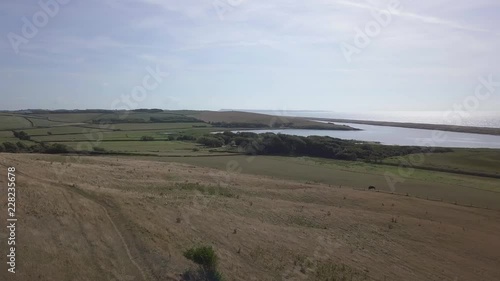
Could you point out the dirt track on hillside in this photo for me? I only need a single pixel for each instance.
(117, 219)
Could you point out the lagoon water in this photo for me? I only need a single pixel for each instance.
(401, 136)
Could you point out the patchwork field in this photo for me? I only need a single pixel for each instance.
(470, 160)
(9, 122)
(108, 218)
(153, 191)
(452, 188)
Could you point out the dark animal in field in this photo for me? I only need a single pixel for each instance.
(371, 187)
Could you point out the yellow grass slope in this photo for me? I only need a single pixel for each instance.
(117, 219)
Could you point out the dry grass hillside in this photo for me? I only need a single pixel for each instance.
(266, 120)
(118, 219)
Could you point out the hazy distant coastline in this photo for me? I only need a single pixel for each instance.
(441, 127)
(483, 119)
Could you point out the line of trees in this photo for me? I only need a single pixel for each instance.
(160, 119)
(21, 147)
(174, 119)
(240, 125)
(315, 146)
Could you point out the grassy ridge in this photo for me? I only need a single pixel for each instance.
(237, 119)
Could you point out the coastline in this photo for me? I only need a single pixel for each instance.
(440, 127)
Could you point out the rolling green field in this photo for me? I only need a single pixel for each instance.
(61, 130)
(8, 122)
(465, 190)
(471, 160)
(81, 132)
(161, 148)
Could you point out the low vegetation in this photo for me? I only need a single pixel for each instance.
(209, 190)
(247, 125)
(206, 258)
(315, 146)
(22, 135)
(21, 147)
(147, 138)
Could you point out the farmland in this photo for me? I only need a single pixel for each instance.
(447, 187)
(151, 190)
(109, 218)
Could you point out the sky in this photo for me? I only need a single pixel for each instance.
(335, 55)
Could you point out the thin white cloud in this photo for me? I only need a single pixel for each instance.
(408, 15)
(214, 45)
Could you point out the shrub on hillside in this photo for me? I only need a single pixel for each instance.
(10, 147)
(206, 258)
(147, 138)
(186, 138)
(21, 146)
(56, 148)
(22, 135)
(98, 149)
(210, 141)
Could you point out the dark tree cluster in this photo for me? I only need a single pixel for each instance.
(22, 135)
(148, 110)
(314, 146)
(20, 147)
(174, 119)
(118, 121)
(182, 138)
(239, 125)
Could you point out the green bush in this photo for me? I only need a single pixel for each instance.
(56, 148)
(147, 138)
(10, 147)
(99, 149)
(210, 141)
(186, 138)
(22, 135)
(204, 256)
(21, 146)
